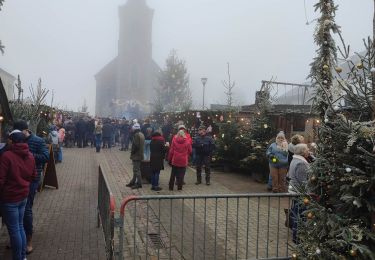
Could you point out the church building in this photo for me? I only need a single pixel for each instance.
(130, 79)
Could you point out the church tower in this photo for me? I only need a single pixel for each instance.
(132, 76)
(134, 51)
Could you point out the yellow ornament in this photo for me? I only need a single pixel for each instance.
(338, 69)
(274, 160)
(359, 66)
(310, 215)
(325, 67)
(294, 256)
(306, 201)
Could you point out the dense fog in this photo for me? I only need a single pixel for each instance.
(67, 42)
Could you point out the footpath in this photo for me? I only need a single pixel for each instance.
(65, 220)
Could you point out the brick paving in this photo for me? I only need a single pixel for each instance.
(235, 226)
(65, 226)
(65, 219)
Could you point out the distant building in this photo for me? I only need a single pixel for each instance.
(131, 77)
(8, 83)
(223, 107)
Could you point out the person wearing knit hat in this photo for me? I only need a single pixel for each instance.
(38, 148)
(17, 171)
(136, 155)
(20, 125)
(16, 136)
(277, 154)
(136, 126)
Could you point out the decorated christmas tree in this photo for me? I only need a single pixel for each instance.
(173, 93)
(338, 202)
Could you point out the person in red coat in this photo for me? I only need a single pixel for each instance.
(17, 171)
(178, 158)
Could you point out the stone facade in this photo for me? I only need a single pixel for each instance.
(131, 77)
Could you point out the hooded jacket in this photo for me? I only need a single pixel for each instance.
(179, 151)
(17, 171)
(158, 149)
(138, 144)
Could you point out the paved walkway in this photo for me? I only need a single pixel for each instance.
(65, 219)
(183, 230)
(65, 222)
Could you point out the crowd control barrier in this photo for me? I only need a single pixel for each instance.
(225, 226)
(106, 213)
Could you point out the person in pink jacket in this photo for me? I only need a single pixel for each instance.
(178, 158)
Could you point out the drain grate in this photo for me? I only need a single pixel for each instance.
(156, 240)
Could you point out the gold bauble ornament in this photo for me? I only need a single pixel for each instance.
(313, 178)
(306, 201)
(310, 215)
(353, 252)
(274, 160)
(338, 69)
(359, 66)
(294, 256)
(325, 67)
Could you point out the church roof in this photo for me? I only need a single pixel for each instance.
(108, 69)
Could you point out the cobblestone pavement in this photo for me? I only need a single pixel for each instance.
(65, 219)
(195, 229)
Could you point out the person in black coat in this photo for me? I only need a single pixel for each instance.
(81, 130)
(107, 134)
(158, 149)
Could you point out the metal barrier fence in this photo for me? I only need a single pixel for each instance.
(106, 211)
(230, 226)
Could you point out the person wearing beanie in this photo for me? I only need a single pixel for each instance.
(136, 155)
(17, 171)
(38, 148)
(277, 154)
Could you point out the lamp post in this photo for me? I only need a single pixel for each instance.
(204, 81)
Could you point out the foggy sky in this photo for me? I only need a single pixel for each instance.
(67, 42)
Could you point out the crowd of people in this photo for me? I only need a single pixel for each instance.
(147, 141)
(176, 146)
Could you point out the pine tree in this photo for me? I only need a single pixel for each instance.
(321, 68)
(338, 201)
(173, 93)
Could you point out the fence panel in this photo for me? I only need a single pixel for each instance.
(106, 211)
(233, 226)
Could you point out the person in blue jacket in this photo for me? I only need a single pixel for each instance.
(277, 154)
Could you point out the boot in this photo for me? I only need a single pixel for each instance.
(208, 181)
(199, 179)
